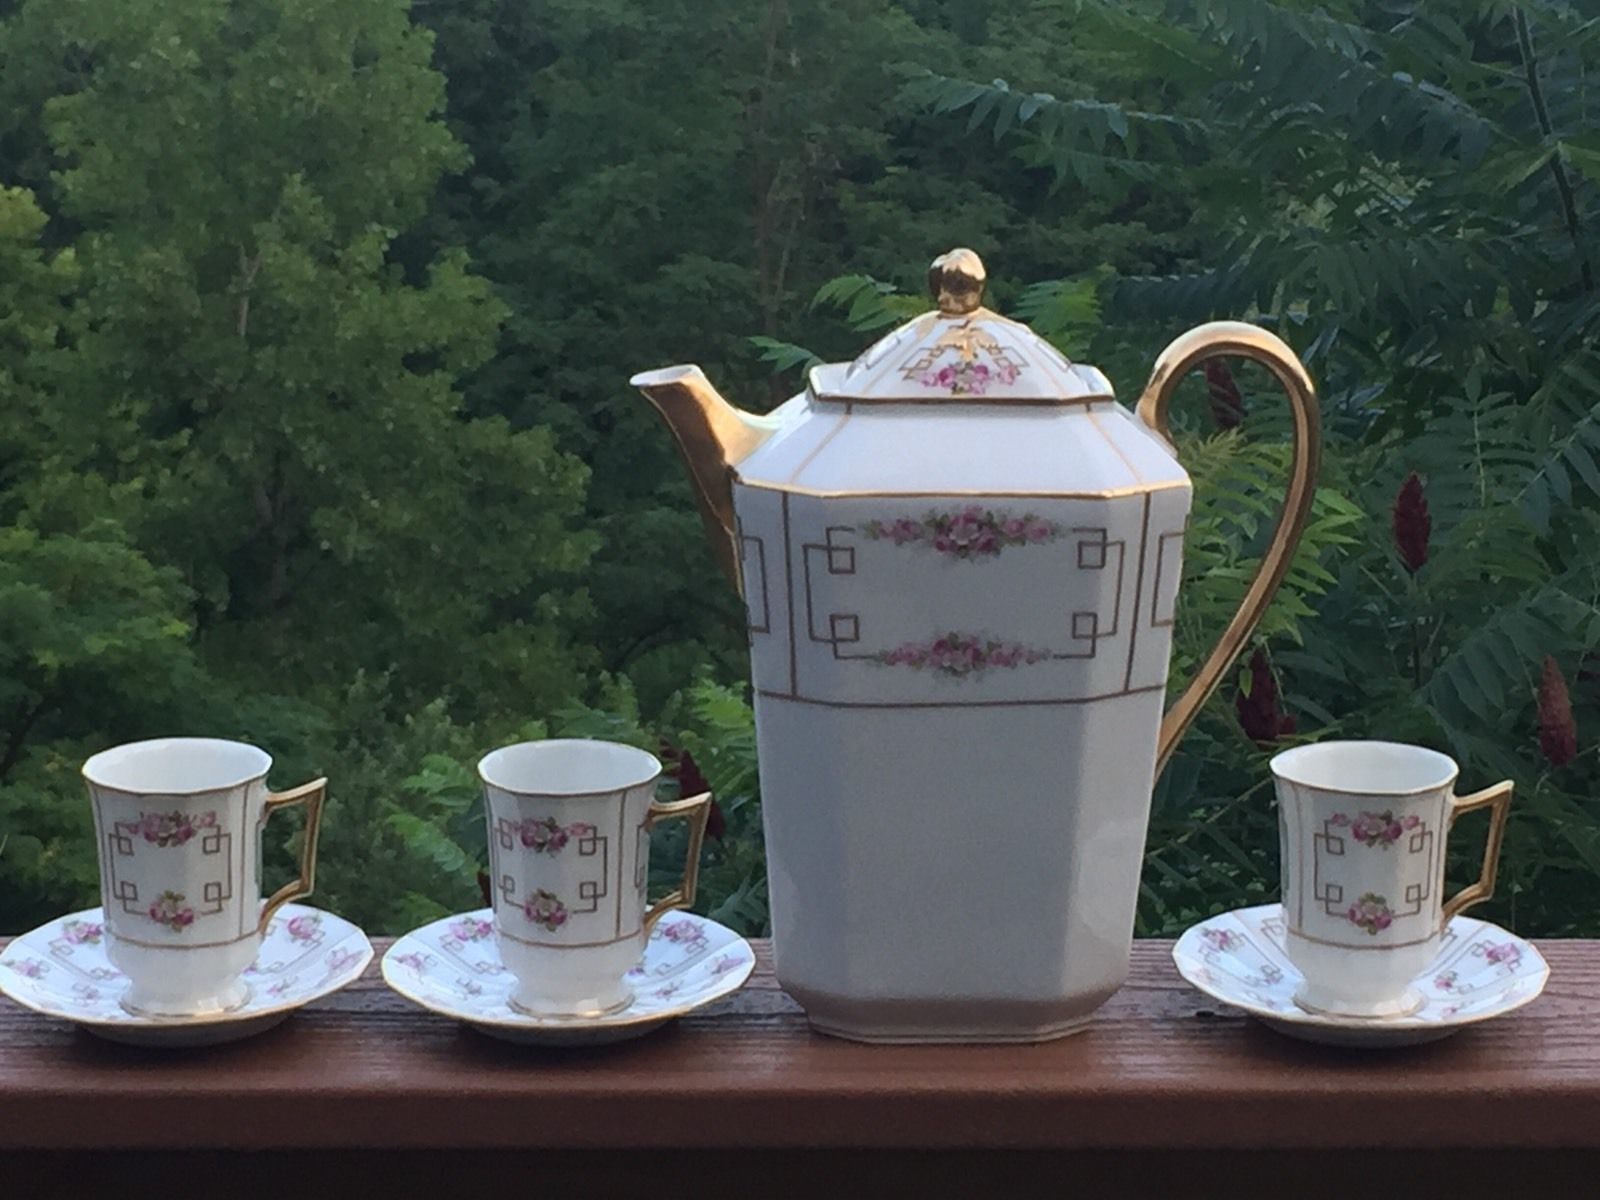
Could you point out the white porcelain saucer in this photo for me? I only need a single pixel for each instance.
(61, 970)
(453, 968)
(1480, 972)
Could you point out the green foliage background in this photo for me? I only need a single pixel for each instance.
(316, 320)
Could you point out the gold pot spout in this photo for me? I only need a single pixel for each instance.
(714, 437)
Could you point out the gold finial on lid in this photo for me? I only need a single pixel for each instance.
(956, 280)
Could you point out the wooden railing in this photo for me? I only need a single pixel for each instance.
(1164, 1094)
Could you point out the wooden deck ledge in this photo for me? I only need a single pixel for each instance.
(1162, 1069)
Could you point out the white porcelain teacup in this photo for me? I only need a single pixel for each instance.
(1362, 829)
(178, 824)
(569, 857)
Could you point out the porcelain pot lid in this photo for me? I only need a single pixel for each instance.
(962, 353)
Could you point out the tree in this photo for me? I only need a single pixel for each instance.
(246, 350)
(238, 492)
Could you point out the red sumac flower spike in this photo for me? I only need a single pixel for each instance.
(1227, 404)
(1260, 715)
(1412, 524)
(1558, 732)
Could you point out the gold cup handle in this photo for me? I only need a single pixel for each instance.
(696, 810)
(1497, 797)
(311, 795)
(1216, 340)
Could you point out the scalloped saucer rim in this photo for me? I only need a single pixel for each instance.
(1203, 944)
(309, 931)
(467, 939)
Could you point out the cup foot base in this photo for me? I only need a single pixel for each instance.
(570, 1014)
(230, 999)
(1401, 1006)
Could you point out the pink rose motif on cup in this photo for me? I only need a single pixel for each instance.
(304, 927)
(1382, 829)
(971, 533)
(29, 968)
(1505, 954)
(471, 929)
(171, 910)
(967, 378)
(82, 933)
(960, 655)
(545, 835)
(1222, 940)
(545, 910)
(1371, 913)
(169, 829)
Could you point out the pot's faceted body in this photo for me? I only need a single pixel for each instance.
(960, 558)
(959, 646)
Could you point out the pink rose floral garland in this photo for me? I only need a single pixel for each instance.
(973, 532)
(959, 655)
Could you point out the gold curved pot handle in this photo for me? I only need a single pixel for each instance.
(1220, 339)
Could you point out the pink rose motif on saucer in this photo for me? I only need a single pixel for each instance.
(1505, 953)
(29, 968)
(170, 829)
(1221, 939)
(304, 927)
(683, 933)
(338, 960)
(1381, 829)
(471, 929)
(545, 910)
(1371, 912)
(82, 933)
(170, 910)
